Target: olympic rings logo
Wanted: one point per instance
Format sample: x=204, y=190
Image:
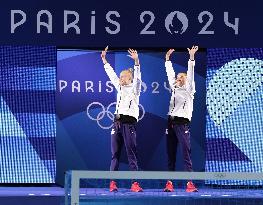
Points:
x=106, y=112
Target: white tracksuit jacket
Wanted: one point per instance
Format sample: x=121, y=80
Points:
x=181, y=103
x=128, y=95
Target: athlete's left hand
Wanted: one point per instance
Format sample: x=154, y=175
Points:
x=133, y=55
x=192, y=52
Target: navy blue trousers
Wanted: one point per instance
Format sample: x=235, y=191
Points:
x=123, y=134
x=178, y=134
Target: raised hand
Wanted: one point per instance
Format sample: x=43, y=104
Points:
x=103, y=55
x=168, y=54
x=134, y=55
x=192, y=52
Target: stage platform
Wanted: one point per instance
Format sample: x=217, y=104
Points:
x=205, y=196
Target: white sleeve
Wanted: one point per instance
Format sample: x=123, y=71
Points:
x=112, y=75
x=137, y=79
x=190, y=76
x=170, y=73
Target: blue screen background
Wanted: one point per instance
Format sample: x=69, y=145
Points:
x=27, y=114
x=234, y=112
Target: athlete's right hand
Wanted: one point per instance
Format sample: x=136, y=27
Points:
x=167, y=56
x=103, y=55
